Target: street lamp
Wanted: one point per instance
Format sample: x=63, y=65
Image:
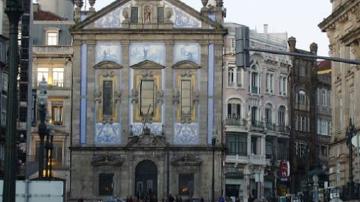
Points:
x=350, y=133
x=213, y=143
x=14, y=11
x=43, y=130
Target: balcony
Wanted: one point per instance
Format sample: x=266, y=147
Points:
x=66, y=51
x=257, y=125
x=249, y=159
x=235, y=121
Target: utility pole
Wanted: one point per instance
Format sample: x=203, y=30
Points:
x=14, y=11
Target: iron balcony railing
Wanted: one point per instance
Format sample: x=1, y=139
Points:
x=235, y=121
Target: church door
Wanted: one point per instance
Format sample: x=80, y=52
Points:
x=146, y=180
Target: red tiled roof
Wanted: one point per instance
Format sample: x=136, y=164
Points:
x=324, y=65
x=41, y=15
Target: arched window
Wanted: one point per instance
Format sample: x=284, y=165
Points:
x=268, y=114
x=230, y=76
x=281, y=116
x=234, y=109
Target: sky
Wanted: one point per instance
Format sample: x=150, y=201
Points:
x=299, y=18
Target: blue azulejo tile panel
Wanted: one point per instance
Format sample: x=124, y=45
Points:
x=187, y=133
x=155, y=128
x=187, y=51
x=108, y=133
x=108, y=51
x=111, y=20
x=182, y=19
x=147, y=51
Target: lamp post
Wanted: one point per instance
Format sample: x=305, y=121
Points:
x=350, y=132
x=43, y=130
x=14, y=11
x=213, y=143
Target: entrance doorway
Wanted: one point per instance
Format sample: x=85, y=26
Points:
x=146, y=180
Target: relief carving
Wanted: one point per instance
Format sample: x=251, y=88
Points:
x=186, y=160
x=176, y=97
x=117, y=96
x=106, y=160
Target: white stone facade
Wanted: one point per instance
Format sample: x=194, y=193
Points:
x=255, y=114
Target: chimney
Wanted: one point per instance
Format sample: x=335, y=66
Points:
x=266, y=28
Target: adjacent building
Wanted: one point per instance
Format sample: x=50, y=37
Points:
x=310, y=115
x=255, y=114
x=147, y=101
x=52, y=54
x=3, y=81
x=342, y=27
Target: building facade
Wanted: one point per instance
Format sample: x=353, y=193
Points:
x=146, y=101
x=52, y=61
x=3, y=83
x=255, y=113
x=342, y=29
x=310, y=113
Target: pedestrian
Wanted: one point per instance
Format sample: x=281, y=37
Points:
x=221, y=199
x=171, y=198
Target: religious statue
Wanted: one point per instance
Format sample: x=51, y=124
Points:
x=147, y=14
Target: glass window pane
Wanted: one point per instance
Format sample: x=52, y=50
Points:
x=107, y=98
x=134, y=15
x=147, y=97
x=185, y=97
x=160, y=14
x=52, y=38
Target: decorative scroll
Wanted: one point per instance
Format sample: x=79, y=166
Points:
x=155, y=128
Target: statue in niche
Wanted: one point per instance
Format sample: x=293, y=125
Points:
x=147, y=14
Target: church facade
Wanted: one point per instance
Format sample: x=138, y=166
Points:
x=147, y=101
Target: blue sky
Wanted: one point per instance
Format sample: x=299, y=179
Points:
x=299, y=18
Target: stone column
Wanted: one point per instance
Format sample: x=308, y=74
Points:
x=246, y=183
x=125, y=91
x=169, y=107
x=76, y=94
x=90, y=128
x=203, y=98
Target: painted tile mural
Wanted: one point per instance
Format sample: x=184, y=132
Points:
x=108, y=133
x=182, y=19
x=111, y=20
x=108, y=51
x=187, y=51
x=187, y=134
x=147, y=51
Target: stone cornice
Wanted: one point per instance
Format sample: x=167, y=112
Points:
x=338, y=14
x=351, y=36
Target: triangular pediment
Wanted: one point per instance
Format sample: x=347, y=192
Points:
x=147, y=64
x=117, y=15
x=186, y=64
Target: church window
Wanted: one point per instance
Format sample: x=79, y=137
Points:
x=230, y=76
x=134, y=15
x=147, y=97
x=185, y=97
x=108, y=98
x=160, y=14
